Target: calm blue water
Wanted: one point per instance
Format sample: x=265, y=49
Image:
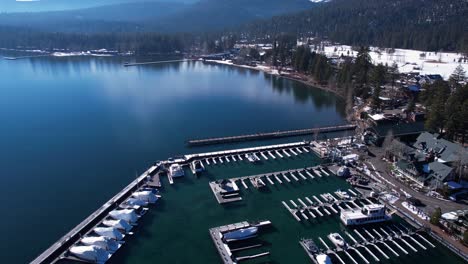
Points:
x=74, y=131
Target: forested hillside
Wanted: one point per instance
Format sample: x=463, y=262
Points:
x=415, y=24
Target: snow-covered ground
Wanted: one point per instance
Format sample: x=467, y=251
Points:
x=423, y=62
x=82, y=53
x=259, y=67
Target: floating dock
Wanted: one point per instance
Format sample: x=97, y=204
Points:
x=269, y=135
x=222, y=247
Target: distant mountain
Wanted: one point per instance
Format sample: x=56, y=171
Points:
x=11, y=6
x=209, y=15
x=205, y=15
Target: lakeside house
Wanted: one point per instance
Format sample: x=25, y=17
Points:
x=430, y=162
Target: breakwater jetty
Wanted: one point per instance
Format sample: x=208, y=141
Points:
x=270, y=135
x=154, y=62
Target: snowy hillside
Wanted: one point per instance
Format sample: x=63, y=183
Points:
x=423, y=62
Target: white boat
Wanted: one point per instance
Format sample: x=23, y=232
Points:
x=146, y=196
x=175, y=170
x=119, y=224
x=105, y=243
x=337, y=239
x=373, y=213
x=109, y=232
x=343, y=195
x=241, y=234
x=251, y=158
x=93, y=254
x=135, y=202
x=128, y=215
x=323, y=259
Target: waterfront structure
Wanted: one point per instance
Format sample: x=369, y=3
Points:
x=373, y=213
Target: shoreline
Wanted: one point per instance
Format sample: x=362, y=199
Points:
x=295, y=76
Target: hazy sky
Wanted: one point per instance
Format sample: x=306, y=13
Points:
x=47, y=5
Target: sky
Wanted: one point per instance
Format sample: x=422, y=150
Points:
x=54, y=5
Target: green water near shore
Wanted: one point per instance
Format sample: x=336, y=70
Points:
x=176, y=229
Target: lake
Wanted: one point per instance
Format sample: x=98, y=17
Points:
x=75, y=131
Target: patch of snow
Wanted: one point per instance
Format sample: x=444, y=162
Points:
x=408, y=61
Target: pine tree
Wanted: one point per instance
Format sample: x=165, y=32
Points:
x=458, y=76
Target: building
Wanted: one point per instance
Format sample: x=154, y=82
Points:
x=429, y=162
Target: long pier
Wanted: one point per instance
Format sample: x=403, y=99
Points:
x=52, y=254
x=269, y=135
x=154, y=62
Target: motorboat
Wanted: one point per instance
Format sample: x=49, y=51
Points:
x=337, y=239
x=343, y=194
x=241, y=234
x=119, y=224
x=128, y=215
x=105, y=243
x=323, y=259
x=109, y=232
x=310, y=245
x=251, y=157
x=146, y=196
x=373, y=213
x=135, y=202
x=175, y=170
x=92, y=254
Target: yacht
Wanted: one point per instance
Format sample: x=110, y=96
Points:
x=343, y=194
x=105, y=243
x=310, y=245
x=128, y=215
x=241, y=234
x=92, y=254
x=146, y=196
x=251, y=157
x=109, y=232
x=119, y=224
x=373, y=213
x=175, y=170
x=337, y=239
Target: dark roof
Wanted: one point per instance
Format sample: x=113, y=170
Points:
x=445, y=150
x=399, y=129
x=439, y=170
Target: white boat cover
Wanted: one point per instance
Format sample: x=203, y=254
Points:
x=323, y=259
x=451, y=216
x=128, y=215
x=134, y=201
x=90, y=253
x=119, y=224
x=146, y=196
x=109, y=232
x=103, y=242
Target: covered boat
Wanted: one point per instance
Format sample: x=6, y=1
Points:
x=135, y=202
x=90, y=253
x=110, y=232
x=119, y=224
x=128, y=215
x=105, y=243
x=323, y=259
x=241, y=234
x=146, y=196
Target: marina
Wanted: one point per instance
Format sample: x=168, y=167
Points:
x=365, y=245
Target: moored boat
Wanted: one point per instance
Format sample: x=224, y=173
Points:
x=337, y=239
x=105, y=243
x=175, y=170
x=373, y=213
x=241, y=234
x=93, y=254
x=109, y=232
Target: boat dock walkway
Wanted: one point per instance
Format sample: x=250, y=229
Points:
x=306, y=208
x=269, y=135
x=222, y=247
x=394, y=239
x=260, y=180
x=53, y=253
x=154, y=62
